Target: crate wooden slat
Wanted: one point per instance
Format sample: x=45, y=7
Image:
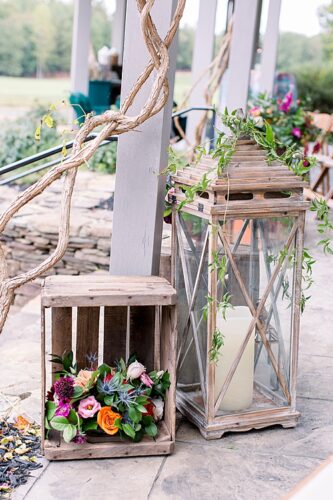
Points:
x=106, y=290
x=139, y=316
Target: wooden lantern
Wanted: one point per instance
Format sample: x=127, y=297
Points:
x=237, y=266
x=113, y=316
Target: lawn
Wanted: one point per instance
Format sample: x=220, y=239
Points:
x=24, y=92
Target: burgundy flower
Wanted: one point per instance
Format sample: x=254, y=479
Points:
x=80, y=438
x=306, y=162
x=296, y=132
x=316, y=147
x=63, y=409
x=50, y=394
x=284, y=105
x=64, y=388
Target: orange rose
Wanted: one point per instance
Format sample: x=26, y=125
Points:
x=106, y=418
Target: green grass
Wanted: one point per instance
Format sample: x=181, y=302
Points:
x=25, y=92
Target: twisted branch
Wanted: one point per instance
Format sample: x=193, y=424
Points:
x=114, y=123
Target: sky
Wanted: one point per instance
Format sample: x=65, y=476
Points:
x=299, y=16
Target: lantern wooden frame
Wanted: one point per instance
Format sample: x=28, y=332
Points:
x=249, y=189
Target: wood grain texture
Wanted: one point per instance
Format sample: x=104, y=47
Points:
x=61, y=332
x=115, y=326
x=86, y=335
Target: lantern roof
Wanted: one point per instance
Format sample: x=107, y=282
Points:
x=249, y=181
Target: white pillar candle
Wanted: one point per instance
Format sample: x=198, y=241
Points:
x=234, y=329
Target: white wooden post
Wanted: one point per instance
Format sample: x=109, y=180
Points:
x=202, y=57
x=80, y=46
x=118, y=27
x=235, y=85
x=270, y=45
x=141, y=155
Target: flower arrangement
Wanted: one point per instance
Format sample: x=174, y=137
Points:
x=123, y=400
x=290, y=121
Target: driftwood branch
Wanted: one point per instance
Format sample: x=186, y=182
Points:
x=114, y=123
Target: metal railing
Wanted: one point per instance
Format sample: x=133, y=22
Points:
x=30, y=160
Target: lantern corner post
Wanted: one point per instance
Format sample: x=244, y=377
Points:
x=211, y=317
x=297, y=297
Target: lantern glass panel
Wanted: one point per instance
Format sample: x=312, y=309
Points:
x=259, y=273
x=192, y=285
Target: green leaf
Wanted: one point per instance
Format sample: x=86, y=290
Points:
x=109, y=400
x=134, y=414
x=78, y=391
x=269, y=134
x=141, y=408
x=69, y=433
x=59, y=423
x=104, y=369
x=147, y=420
x=73, y=417
x=151, y=430
x=89, y=425
x=128, y=429
x=50, y=408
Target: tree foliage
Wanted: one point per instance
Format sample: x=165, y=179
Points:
x=36, y=35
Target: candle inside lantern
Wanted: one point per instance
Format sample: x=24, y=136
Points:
x=234, y=329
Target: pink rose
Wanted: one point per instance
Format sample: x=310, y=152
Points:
x=88, y=407
x=135, y=370
x=145, y=379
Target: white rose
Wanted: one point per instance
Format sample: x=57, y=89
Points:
x=160, y=374
x=135, y=370
x=158, y=409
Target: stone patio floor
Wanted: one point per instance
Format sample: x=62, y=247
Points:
x=253, y=465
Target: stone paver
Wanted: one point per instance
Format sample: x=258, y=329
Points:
x=248, y=466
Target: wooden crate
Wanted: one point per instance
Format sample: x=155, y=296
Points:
x=114, y=316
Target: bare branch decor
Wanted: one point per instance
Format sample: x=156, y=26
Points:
x=114, y=123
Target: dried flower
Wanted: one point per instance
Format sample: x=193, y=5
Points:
x=64, y=388
x=135, y=370
x=88, y=407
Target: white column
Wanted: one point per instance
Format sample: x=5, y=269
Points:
x=202, y=57
x=235, y=85
x=141, y=155
x=80, y=46
x=270, y=45
x=118, y=27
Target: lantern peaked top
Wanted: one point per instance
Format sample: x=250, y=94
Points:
x=249, y=184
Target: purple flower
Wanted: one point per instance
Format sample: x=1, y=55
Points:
x=63, y=409
x=80, y=438
x=145, y=379
x=64, y=388
x=296, y=132
x=286, y=102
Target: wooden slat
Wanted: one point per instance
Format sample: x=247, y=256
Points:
x=115, y=324
x=162, y=445
x=61, y=340
x=142, y=330
x=168, y=362
x=87, y=334
x=106, y=290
